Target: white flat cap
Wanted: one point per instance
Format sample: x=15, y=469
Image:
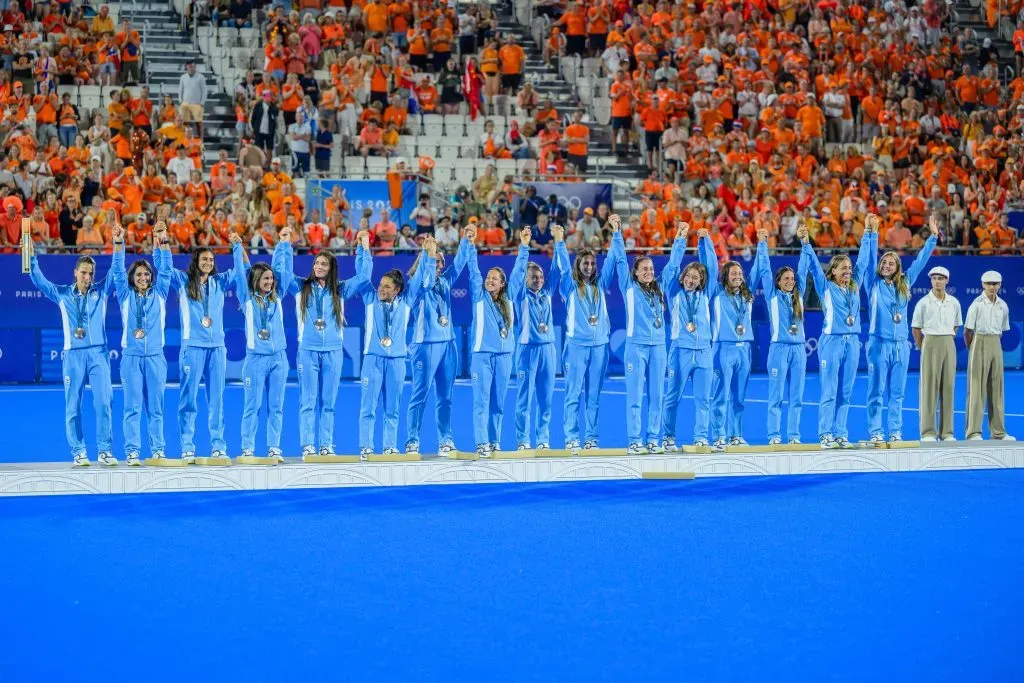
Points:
x=939, y=270
x=991, y=276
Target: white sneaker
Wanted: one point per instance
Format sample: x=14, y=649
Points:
x=828, y=443
x=391, y=451
x=669, y=445
x=133, y=460
x=247, y=453
x=523, y=447
x=636, y=449
x=895, y=436
x=589, y=445
x=494, y=447
x=878, y=438
x=654, y=447
x=308, y=450
x=543, y=446
x=158, y=455
x=843, y=442
x=927, y=439
x=738, y=441
x=219, y=455
x=719, y=445
x=775, y=441
x=795, y=441
x=188, y=457
x=363, y=452
x=412, y=447
x=948, y=438
x=573, y=446
x=976, y=437
x=327, y=450
x=82, y=460
x=445, y=449
x=107, y=459
x=1007, y=437
x=484, y=450
x=276, y=454
x=700, y=443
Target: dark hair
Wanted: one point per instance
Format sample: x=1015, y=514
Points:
x=254, y=278
x=577, y=274
x=501, y=301
x=723, y=277
x=136, y=264
x=798, y=308
x=85, y=261
x=330, y=282
x=395, y=275
x=702, y=272
x=654, y=287
x=194, y=274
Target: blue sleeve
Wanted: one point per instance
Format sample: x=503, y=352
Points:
x=178, y=278
x=917, y=267
x=670, y=273
x=553, y=279
x=871, y=275
x=706, y=254
x=615, y=262
x=863, y=261
x=763, y=265
x=452, y=272
x=476, y=281
x=362, y=279
x=164, y=270
x=801, y=272
x=282, y=265
x=49, y=290
x=565, y=281
x=240, y=276
x=423, y=278
x=117, y=272
x=517, y=280
x=817, y=274
x=755, y=274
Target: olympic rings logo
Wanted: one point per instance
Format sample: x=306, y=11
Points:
x=460, y=293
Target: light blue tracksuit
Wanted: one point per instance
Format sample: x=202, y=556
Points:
x=85, y=358
x=203, y=355
x=839, y=346
x=787, y=355
x=645, y=356
x=434, y=352
x=266, y=361
x=491, y=363
x=385, y=352
x=690, y=354
x=732, y=356
x=889, y=341
x=586, y=349
x=320, y=356
x=536, y=360
x=143, y=364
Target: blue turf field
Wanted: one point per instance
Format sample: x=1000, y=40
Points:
x=871, y=577
x=39, y=411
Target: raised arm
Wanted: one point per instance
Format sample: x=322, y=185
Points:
x=238, y=271
x=364, y=268
x=553, y=279
x=49, y=290
x=282, y=263
x=764, y=265
x=452, y=272
x=708, y=257
x=615, y=261
x=802, y=267
x=670, y=273
x=162, y=262
x=517, y=279
x=476, y=281
x=817, y=273
x=565, y=281
x=424, y=277
x=867, y=254
x=117, y=271
x=921, y=260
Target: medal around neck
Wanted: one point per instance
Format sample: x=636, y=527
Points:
x=264, y=334
x=207, y=321
x=320, y=324
x=139, y=333
x=740, y=329
x=386, y=342
x=691, y=327
x=543, y=328
x=794, y=328
x=79, y=333
x=849, y=320
x=442, y=320
x=897, y=317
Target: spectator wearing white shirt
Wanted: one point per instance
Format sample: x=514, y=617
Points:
x=988, y=317
x=192, y=96
x=181, y=166
x=446, y=235
x=937, y=318
x=299, y=135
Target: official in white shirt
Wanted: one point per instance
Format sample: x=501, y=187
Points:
x=987, y=318
x=935, y=323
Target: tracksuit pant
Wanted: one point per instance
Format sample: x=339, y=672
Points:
x=838, y=356
x=319, y=374
x=90, y=364
x=198, y=364
x=645, y=374
x=535, y=370
x=585, y=366
x=729, y=389
x=682, y=365
x=490, y=383
x=263, y=372
x=887, y=371
x=436, y=362
x=144, y=379
x=787, y=369
x=380, y=375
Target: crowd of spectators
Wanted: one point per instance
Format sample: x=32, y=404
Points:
x=749, y=115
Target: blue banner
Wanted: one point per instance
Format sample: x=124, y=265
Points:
x=30, y=338
x=577, y=195
x=363, y=194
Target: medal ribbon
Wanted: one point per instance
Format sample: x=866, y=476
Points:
x=652, y=303
x=896, y=308
x=740, y=306
x=140, y=311
x=544, y=303
x=495, y=313
x=81, y=303
x=591, y=305
x=266, y=312
x=849, y=302
x=206, y=298
x=388, y=309
x=691, y=299
x=319, y=298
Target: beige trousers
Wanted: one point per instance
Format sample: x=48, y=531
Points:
x=985, y=386
x=938, y=370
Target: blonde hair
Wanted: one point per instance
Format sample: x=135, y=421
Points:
x=835, y=263
x=899, y=278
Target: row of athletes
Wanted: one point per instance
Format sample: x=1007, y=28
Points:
x=708, y=342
